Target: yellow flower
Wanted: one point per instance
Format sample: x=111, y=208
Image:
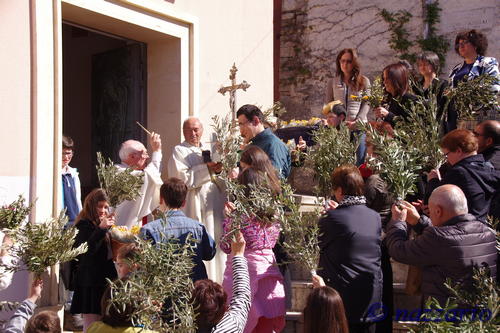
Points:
x=354, y=96
x=135, y=229
x=366, y=98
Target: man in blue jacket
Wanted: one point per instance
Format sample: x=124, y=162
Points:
x=250, y=121
x=177, y=226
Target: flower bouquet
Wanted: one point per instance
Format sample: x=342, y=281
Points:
x=296, y=122
x=374, y=96
x=12, y=215
x=121, y=236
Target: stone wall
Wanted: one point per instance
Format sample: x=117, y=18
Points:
x=313, y=31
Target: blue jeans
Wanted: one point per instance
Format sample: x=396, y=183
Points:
x=361, y=151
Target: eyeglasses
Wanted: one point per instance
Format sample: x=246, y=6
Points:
x=343, y=61
x=446, y=154
x=67, y=153
x=463, y=43
x=242, y=124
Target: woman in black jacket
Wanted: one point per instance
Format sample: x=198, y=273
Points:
x=350, y=256
x=428, y=66
x=396, y=84
x=96, y=265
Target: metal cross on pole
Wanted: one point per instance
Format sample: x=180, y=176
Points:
x=232, y=90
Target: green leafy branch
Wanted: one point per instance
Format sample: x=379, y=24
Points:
x=397, y=163
x=120, y=185
x=300, y=230
x=482, y=305
x=333, y=148
x=228, y=143
x=15, y=213
x=159, y=291
x=472, y=96
x=421, y=132
x=41, y=245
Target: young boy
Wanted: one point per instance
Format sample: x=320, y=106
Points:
x=71, y=193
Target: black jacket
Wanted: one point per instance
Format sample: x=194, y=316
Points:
x=447, y=115
x=350, y=258
x=448, y=251
x=96, y=264
x=398, y=108
x=492, y=155
x=477, y=179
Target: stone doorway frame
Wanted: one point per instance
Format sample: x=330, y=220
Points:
x=173, y=81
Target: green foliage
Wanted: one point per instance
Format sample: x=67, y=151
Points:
x=483, y=299
x=41, y=245
x=12, y=215
x=400, y=41
x=399, y=34
x=472, y=96
x=421, y=132
x=300, y=230
x=228, y=143
x=397, y=163
x=434, y=42
x=255, y=201
x=162, y=277
x=333, y=148
x=120, y=185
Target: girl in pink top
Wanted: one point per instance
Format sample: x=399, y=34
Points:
x=267, y=312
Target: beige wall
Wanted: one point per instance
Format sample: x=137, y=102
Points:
x=230, y=31
x=14, y=98
x=191, y=47
x=15, y=117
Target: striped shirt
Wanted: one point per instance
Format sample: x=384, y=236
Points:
x=235, y=318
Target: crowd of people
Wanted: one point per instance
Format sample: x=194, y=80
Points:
x=238, y=286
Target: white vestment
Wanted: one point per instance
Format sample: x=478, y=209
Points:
x=130, y=213
x=204, y=201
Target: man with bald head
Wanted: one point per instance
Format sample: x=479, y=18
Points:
x=450, y=243
x=134, y=155
x=191, y=162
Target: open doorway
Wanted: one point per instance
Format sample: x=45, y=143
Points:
x=104, y=94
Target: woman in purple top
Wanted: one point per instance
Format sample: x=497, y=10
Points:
x=267, y=312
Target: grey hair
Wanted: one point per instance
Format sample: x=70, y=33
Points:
x=451, y=198
x=128, y=147
x=191, y=118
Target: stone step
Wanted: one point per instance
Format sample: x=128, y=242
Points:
x=293, y=322
x=300, y=291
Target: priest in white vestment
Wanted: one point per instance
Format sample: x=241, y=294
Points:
x=204, y=201
x=134, y=155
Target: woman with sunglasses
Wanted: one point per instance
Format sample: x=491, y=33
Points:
x=348, y=81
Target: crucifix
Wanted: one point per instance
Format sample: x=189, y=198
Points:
x=232, y=90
